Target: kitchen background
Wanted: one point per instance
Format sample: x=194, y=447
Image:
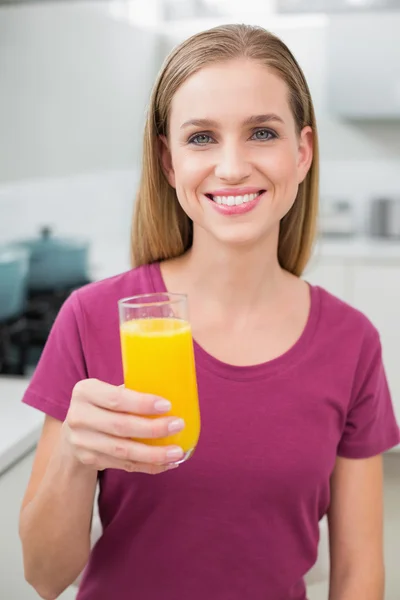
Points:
x=74, y=81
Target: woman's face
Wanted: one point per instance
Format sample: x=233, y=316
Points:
x=232, y=153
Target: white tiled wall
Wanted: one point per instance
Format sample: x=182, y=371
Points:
x=96, y=205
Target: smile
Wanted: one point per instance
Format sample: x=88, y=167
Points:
x=234, y=200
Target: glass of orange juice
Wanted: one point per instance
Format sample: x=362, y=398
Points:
x=158, y=358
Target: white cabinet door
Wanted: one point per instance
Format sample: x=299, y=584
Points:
x=329, y=274
x=364, y=39
x=377, y=295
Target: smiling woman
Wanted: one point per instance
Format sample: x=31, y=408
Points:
x=294, y=403
x=249, y=89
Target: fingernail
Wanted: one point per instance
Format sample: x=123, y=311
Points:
x=175, y=453
x=176, y=425
x=162, y=405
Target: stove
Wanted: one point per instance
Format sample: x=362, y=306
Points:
x=22, y=339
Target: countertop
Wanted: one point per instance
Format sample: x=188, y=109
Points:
x=359, y=248
x=20, y=425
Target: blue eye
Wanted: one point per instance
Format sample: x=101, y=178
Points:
x=264, y=135
x=201, y=139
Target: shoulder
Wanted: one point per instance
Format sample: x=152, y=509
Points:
x=101, y=294
x=135, y=281
x=343, y=322
x=95, y=306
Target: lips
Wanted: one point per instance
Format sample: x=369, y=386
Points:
x=224, y=206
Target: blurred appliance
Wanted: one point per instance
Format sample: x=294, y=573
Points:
x=336, y=218
x=385, y=218
x=36, y=277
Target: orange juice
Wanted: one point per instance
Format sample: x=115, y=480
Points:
x=158, y=358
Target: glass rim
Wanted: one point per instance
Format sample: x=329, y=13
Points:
x=132, y=301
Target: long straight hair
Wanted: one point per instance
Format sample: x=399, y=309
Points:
x=160, y=228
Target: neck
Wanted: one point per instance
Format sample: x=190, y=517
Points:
x=235, y=278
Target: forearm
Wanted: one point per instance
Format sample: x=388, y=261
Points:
x=365, y=584
x=55, y=525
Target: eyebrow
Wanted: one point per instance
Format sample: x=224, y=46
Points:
x=253, y=120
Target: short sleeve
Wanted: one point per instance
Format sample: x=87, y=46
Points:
x=371, y=426
x=61, y=365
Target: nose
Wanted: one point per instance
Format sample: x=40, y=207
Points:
x=232, y=164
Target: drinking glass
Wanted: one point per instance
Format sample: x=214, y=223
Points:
x=158, y=358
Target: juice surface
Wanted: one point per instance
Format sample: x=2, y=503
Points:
x=158, y=358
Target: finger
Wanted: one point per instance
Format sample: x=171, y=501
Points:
x=124, y=425
x=100, y=462
x=124, y=450
x=120, y=399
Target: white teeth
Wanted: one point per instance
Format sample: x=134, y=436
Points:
x=234, y=200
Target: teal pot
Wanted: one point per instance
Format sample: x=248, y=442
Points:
x=14, y=269
x=56, y=263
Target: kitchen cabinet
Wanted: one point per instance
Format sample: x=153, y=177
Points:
x=376, y=292
x=363, y=54
x=20, y=424
x=12, y=581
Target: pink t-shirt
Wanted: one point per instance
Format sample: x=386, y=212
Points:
x=240, y=518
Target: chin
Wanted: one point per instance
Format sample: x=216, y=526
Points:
x=246, y=238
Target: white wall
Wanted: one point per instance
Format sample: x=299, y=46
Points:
x=74, y=85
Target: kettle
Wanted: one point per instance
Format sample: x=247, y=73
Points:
x=385, y=218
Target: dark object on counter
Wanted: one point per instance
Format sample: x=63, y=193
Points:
x=22, y=341
x=56, y=263
x=14, y=265
x=385, y=218
x=336, y=218
x=36, y=277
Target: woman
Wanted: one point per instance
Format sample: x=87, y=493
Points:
x=295, y=406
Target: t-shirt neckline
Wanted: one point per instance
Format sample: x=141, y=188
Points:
x=295, y=354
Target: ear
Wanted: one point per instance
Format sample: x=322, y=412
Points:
x=305, y=152
x=166, y=160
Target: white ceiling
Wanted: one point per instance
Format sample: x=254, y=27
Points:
x=335, y=6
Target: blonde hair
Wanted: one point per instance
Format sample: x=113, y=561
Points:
x=161, y=229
